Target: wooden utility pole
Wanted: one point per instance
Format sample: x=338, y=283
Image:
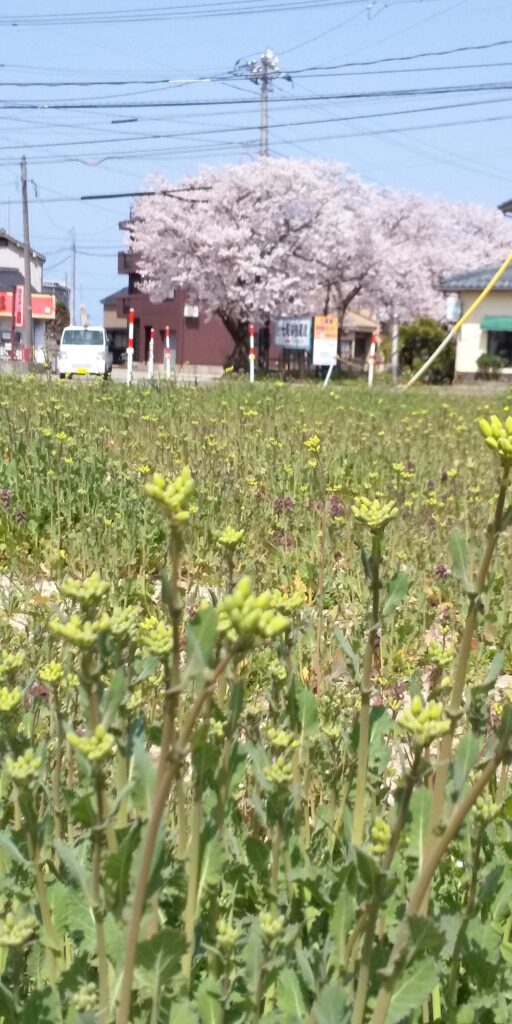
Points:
x=72, y=311
x=28, y=333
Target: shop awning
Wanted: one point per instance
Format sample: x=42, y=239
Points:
x=496, y=323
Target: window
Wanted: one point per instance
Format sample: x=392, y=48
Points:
x=82, y=336
x=499, y=343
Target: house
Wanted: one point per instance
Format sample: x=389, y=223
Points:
x=201, y=341
x=195, y=339
x=11, y=258
x=489, y=328
x=12, y=306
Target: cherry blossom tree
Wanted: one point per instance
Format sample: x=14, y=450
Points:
x=283, y=237
x=242, y=240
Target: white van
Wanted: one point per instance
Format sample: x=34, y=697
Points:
x=85, y=350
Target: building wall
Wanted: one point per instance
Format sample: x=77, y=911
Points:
x=12, y=258
x=199, y=342
x=112, y=321
x=472, y=340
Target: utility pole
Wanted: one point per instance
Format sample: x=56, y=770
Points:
x=262, y=71
x=72, y=303
x=28, y=334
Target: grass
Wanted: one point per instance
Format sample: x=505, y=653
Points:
x=254, y=729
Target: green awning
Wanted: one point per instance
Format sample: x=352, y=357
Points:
x=496, y=323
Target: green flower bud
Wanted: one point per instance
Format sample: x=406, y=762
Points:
x=375, y=515
x=51, y=674
x=498, y=437
x=87, y=593
x=380, y=837
x=95, y=748
x=10, y=663
x=86, y=998
x=271, y=925
x=9, y=699
x=174, y=495
x=17, y=932
x=25, y=768
x=230, y=538
x=80, y=633
x=424, y=723
x=227, y=936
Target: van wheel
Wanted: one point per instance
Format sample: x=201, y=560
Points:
x=62, y=376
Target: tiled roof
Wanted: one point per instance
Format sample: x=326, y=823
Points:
x=109, y=299
x=19, y=245
x=476, y=280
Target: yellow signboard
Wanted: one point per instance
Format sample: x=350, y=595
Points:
x=325, y=340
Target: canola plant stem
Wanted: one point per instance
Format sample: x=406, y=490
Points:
x=161, y=797
x=430, y=864
x=364, y=716
x=373, y=909
x=446, y=744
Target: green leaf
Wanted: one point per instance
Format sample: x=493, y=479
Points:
x=7, y=1005
x=253, y=956
x=490, y=885
x=412, y=988
x=495, y=670
x=466, y=756
x=460, y=561
x=73, y=865
x=10, y=847
x=331, y=1006
x=257, y=854
x=42, y=1007
x=182, y=1013
x=201, y=643
x=143, y=776
x=419, y=814
x=117, y=866
x=212, y=864
x=368, y=871
x=396, y=592
x=158, y=961
x=308, y=712
x=425, y=936
x=341, y=921
x=113, y=696
x=348, y=651
x=208, y=1001
x=289, y=997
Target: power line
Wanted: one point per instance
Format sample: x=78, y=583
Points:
x=229, y=129
x=215, y=9
x=441, y=90
x=325, y=71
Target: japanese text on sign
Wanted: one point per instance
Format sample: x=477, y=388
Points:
x=293, y=332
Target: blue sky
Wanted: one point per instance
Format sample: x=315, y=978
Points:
x=77, y=152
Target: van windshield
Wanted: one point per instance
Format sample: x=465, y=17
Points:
x=84, y=337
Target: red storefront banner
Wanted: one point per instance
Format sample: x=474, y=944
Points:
x=43, y=306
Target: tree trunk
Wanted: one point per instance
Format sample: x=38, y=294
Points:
x=239, y=331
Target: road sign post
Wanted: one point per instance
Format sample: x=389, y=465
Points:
x=129, y=351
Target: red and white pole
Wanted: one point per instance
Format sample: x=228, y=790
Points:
x=151, y=359
x=252, y=353
x=372, y=355
x=129, y=351
x=168, y=352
